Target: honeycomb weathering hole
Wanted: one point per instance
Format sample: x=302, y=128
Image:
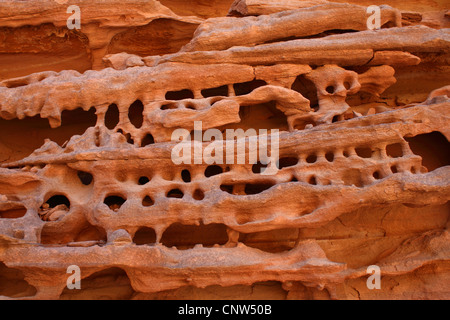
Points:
x=286, y=162
x=179, y=95
x=214, y=92
x=187, y=236
x=114, y=202
x=147, y=140
x=186, y=176
x=112, y=116
x=135, y=114
x=85, y=177
x=213, y=170
x=198, y=195
x=148, y=201
x=433, y=147
x=144, y=236
x=364, y=152
x=15, y=213
x=247, y=87
x=143, y=180
x=58, y=200
x=394, y=150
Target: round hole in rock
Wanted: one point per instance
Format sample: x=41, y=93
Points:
x=112, y=116
x=148, y=202
x=85, y=177
x=256, y=188
x=135, y=114
x=114, y=202
x=186, y=176
x=394, y=169
x=329, y=156
x=247, y=87
x=144, y=235
x=345, y=154
x=58, y=200
x=214, y=92
x=143, y=180
x=347, y=85
x=311, y=158
x=213, y=170
x=198, y=195
x=175, y=193
x=330, y=89
x=148, y=140
x=312, y=180
x=377, y=175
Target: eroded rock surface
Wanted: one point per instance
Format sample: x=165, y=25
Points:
x=88, y=178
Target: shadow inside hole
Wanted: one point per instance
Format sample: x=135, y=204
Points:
x=145, y=236
x=394, y=150
x=198, y=195
x=286, y=162
x=135, y=114
x=186, y=176
x=312, y=180
x=147, y=140
x=58, y=200
x=148, y=202
x=214, y=92
x=213, y=170
x=175, y=193
x=143, y=180
x=114, y=202
x=112, y=116
x=256, y=188
x=187, y=236
x=85, y=177
x=311, y=158
x=329, y=156
x=377, y=175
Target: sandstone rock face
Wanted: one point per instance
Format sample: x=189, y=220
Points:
x=355, y=122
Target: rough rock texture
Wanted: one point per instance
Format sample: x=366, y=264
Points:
x=87, y=177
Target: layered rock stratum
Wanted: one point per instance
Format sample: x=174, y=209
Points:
x=87, y=176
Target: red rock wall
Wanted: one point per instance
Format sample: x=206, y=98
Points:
x=88, y=177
